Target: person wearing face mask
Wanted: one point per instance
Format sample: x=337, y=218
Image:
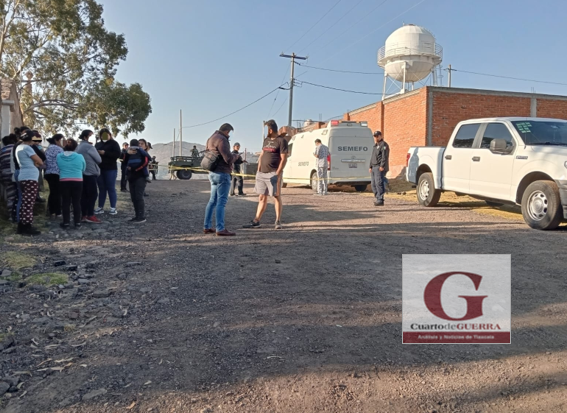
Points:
x=109, y=152
x=29, y=163
x=379, y=166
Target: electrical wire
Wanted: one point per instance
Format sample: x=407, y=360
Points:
x=280, y=108
x=340, y=71
x=313, y=26
x=509, y=77
x=332, y=25
x=355, y=24
x=340, y=90
x=278, y=92
x=368, y=34
x=232, y=113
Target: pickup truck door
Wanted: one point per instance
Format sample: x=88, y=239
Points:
x=457, y=159
x=491, y=173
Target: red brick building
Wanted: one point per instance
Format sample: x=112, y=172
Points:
x=427, y=116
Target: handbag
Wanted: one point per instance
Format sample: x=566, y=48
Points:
x=210, y=161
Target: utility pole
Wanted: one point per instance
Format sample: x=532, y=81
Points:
x=173, y=150
x=449, y=70
x=180, y=133
x=293, y=56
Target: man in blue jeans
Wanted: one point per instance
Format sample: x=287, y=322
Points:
x=220, y=180
x=379, y=166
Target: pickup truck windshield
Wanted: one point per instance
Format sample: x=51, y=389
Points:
x=542, y=132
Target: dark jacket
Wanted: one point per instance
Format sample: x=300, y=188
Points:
x=111, y=154
x=218, y=144
x=381, y=156
x=123, y=154
x=39, y=152
x=238, y=162
x=136, y=163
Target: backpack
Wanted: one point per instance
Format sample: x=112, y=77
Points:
x=210, y=161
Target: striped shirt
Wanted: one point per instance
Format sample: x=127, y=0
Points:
x=321, y=152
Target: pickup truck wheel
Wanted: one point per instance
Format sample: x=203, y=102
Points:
x=284, y=184
x=427, y=195
x=360, y=188
x=541, y=205
x=184, y=174
x=493, y=204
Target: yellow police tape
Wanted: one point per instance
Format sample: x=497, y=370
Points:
x=181, y=168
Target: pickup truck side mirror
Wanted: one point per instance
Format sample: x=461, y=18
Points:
x=499, y=145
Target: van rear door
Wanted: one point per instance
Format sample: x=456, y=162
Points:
x=351, y=148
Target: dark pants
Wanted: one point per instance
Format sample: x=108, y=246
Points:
x=107, y=185
x=90, y=193
x=71, y=192
x=137, y=188
x=54, y=200
x=377, y=179
x=123, y=179
x=237, y=183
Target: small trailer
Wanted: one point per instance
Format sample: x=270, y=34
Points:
x=185, y=166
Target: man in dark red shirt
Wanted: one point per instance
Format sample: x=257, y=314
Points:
x=269, y=176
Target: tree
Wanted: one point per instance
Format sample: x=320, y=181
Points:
x=65, y=60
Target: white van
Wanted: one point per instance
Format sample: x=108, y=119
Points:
x=350, y=146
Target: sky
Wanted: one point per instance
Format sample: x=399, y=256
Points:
x=210, y=58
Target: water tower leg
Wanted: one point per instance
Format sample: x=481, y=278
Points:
x=384, y=86
x=404, y=81
x=434, y=73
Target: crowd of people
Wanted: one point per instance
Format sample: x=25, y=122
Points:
x=79, y=173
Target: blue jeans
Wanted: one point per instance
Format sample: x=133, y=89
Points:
x=377, y=179
x=220, y=185
x=107, y=184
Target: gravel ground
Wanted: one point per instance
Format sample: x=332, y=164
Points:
x=161, y=318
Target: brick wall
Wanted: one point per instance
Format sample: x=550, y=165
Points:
x=451, y=108
x=404, y=119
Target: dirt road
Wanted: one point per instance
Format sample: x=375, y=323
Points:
x=160, y=318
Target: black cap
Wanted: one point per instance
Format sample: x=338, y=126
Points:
x=271, y=124
x=377, y=133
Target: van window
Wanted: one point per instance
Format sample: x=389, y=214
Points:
x=289, y=148
x=496, y=130
x=465, y=136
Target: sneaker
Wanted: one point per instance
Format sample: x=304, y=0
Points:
x=99, y=211
x=94, y=220
x=83, y=219
x=113, y=211
x=139, y=220
x=78, y=225
x=124, y=190
x=208, y=231
x=252, y=224
x=64, y=226
x=242, y=194
x=378, y=203
x=278, y=225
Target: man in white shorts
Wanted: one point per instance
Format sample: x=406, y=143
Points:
x=269, y=176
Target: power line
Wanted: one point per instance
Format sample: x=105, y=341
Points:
x=368, y=34
x=316, y=23
x=280, y=108
x=510, y=77
x=341, y=71
x=232, y=113
x=356, y=24
x=332, y=25
x=340, y=90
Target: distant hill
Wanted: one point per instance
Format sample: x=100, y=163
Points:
x=163, y=153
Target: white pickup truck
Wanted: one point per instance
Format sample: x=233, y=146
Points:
x=521, y=161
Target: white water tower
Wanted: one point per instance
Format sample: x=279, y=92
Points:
x=410, y=55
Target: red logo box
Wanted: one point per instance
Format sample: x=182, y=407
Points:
x=456, y=299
